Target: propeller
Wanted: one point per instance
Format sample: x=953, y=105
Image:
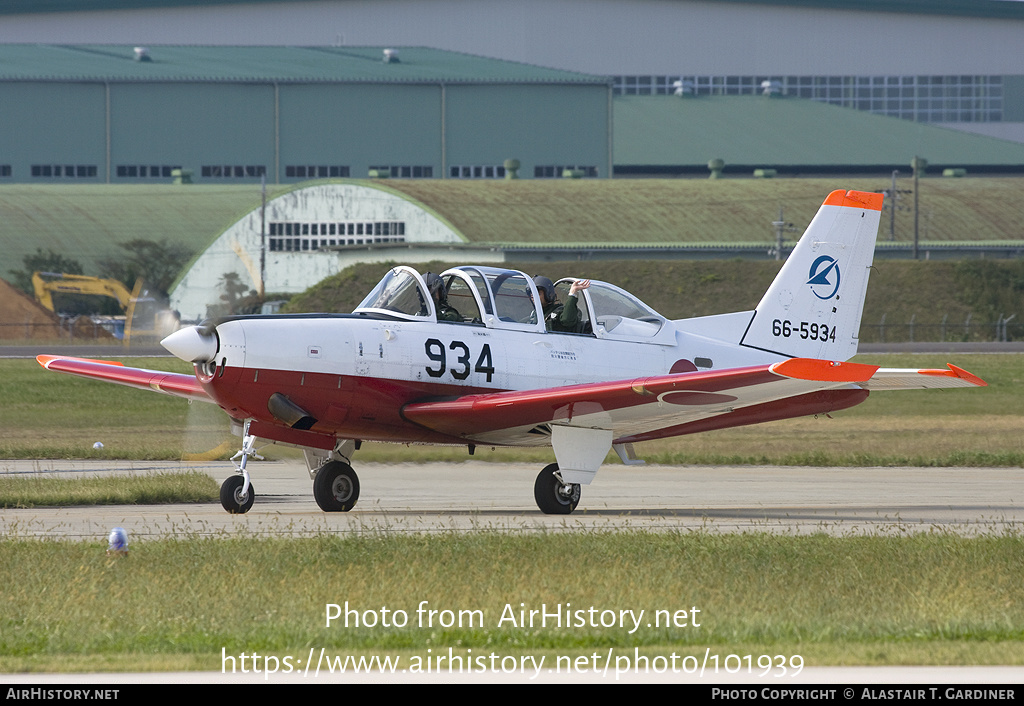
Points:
x=194, y=344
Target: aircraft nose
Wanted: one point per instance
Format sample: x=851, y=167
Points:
x=192, y=345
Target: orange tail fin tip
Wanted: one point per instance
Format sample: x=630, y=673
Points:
x=856, y=199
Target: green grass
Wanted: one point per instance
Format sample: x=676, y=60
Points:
x=36, y=491
x=51, y=415
x=931, y=598
x=48, y=415
x=645, y=211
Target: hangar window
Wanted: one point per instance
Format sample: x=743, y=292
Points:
x=228, y=171
x=559, y=171
x=921, y=98
x=404, y=171
x=145, y=171
x=317, y=234
x=5, y=170
x=489, y=171
x=317, y=171
x=63, y=171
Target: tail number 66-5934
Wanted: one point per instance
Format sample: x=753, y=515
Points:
x=805, y=330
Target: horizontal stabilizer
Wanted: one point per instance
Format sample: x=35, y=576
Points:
x=911, y=379
x=872, y=377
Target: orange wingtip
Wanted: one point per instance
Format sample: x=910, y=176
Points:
x=45, y=360
x=824, y=370
x=855, y=199
x=955, y=372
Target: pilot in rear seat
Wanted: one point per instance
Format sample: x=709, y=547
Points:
x=558, y=317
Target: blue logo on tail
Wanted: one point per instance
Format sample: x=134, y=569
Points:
x=821, y=277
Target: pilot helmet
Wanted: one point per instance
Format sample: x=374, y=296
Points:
x=545, y=285
x=435, y=285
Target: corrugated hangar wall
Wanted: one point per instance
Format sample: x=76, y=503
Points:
x=234, y=132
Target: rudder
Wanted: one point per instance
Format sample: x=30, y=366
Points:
x=814, y=306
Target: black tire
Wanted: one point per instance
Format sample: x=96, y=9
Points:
x=552, y=495
x=336, y=487
x=230, y=496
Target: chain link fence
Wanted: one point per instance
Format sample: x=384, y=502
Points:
x=886, y=330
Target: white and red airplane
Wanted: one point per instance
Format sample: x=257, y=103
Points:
x=392, y=371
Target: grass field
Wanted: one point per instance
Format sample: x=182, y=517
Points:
x=645, y=211
x=48, y=415
x=922, y=599
x=57, y=491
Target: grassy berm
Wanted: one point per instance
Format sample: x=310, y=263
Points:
x=177, y=603
x=906, y=300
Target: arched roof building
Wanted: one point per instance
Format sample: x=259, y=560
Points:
x=308, y=233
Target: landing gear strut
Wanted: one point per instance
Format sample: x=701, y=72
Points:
x=553, y=495
x=336, y=487
x=237, y=493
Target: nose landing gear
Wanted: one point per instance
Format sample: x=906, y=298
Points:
x=236, y=493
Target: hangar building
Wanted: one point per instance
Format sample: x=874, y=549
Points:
x=951, y=62
x=230, y=115
x=81, y=114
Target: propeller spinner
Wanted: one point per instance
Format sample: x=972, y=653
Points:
x=192, y=344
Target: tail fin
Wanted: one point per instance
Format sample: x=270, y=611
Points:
x=813, y=308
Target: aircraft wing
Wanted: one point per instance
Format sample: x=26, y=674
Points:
x=175, y=384
x=667, y=405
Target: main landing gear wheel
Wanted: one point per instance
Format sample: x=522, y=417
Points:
x=553, y=496
x=336, y=487
x=231, y=497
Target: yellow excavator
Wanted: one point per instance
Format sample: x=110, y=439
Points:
x=144, y=316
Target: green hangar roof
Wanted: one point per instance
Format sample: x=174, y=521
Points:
x=966, y=8
x=671, y=135
x=45, y=62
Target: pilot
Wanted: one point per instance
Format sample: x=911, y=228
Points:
x=558, y=316
x=445, y=311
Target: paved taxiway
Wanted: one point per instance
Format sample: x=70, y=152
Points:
x=480, y=496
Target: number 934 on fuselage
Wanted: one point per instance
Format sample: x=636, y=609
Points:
x=488, y=356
